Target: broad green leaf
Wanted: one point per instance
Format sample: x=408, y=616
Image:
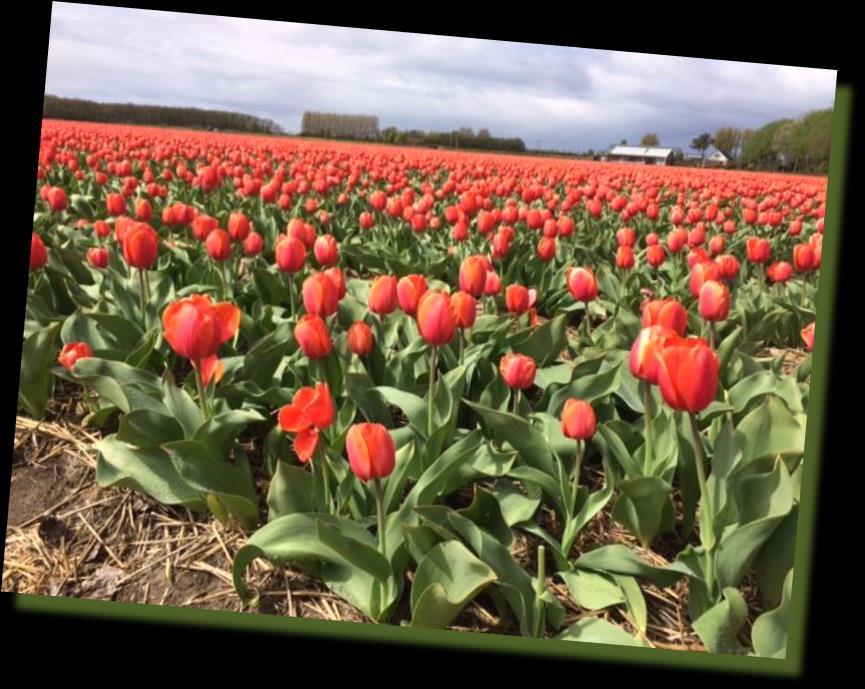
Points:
x=719, y=626
x=448, y=577
x=598, y=631
x=592, y=590
x=35, y=382
x=769, y=632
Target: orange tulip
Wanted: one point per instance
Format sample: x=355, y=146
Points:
x=465, y=309
x=38, y=252
x=320, y=295
x=643, y=361
x=140, y=246
x=218, y=245
x=578, y=420
x=290, y=254
x=311, y=410
x=714, y=301
x=517, y=299
x=383, y=298
x=473, y=276
x=808, y=336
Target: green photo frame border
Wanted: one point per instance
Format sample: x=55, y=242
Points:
x=790, y=666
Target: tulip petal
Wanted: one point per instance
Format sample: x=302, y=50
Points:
x=293, y=419
x=305, y=444
x=228, y=316
x=211, y=367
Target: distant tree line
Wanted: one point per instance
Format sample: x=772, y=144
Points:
x=482, y=140
x=800, y=145
x=55, y=107
x=335, y=126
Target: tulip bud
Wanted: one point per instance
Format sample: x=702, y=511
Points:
x=320, y=295
x=578, y=420
x=643, y=361
x=97, y=256
x=383, y=298
x=409, y=290
x=239, y=226
x=714, y=301
x=253, y=245
x=218, y=245
x=290, y=254
x=688, y=374
x=326, y=250
x=436, y=319
x=465, y=309
x=518, y=371
x=473, y=276
x=140, y=246
x=655, y=255
x=808, y=336
x=371, y=451
x=360, y=338
x=582, y=284
x=313, y=337
x=72, y=352
x=38, y=252
x=757, y=249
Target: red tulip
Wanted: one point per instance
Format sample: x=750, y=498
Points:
x=643, y=361
x=72, y=352
x=547, y=249
x=239, y=226
x=714, y=301
x=320, y=296
x=97, y=256
x=290, y=254
x=808, y=336
x=578, y=419
x=465, y=309
x=195, y=327
x=780, y=271
x=517, y=299
x=253, y=245
x=338, y=279
x=203, y=225
x=655, y=255
x=757, y=249
x=728, y=266
x=218, y=245
x=140, y=246
x=493, y=284
x=57, y=199
x=582, y=284
x=371, y=451
x=518, y=370
x=803, y=258
x=326, y=250
x=115, y=204
x=409, y=290
x=360, y=338
x=311, y=410
x=436, y=319
x=473, y=276
x=313, y=337
x=668, y=313
x=688, y=374
x=38, y=252
x=383, y=298
x=625, y=259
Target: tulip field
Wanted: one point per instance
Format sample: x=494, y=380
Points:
x=441, y=384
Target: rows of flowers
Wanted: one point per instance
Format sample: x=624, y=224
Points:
x=431, y=354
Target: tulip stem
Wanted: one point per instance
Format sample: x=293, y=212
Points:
x=540, y=588
x=142, y=284
x=379, y=506
x=462, y=346
x=199, y=383
x=432, y=383
x=517, y=394
x=648, y=458
x=578, y=465
x=705, y=504
x=712, y=336
x=290, y=280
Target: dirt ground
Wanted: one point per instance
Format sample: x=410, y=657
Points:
x=66, y=536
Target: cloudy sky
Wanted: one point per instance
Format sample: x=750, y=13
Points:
x=550, y=96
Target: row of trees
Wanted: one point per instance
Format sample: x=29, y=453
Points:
x=55, y=107
x=465, y=137
x=335, y=126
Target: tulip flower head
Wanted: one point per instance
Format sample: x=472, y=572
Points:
x=313, y=337
x=72, y=352
x=371, y=451
x=360, y=338
x=688, y=372
x=578, y=419
x=518, y=371
x=668, y=313
x=311, y=411
x=808, y=336
x=436, y=319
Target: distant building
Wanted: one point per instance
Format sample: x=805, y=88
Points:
x=716, y=159
x=644, y=155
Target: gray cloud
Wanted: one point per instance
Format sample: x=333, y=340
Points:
x=557, y=97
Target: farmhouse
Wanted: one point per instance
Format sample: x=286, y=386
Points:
x=716, y=159
x=646, y=155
